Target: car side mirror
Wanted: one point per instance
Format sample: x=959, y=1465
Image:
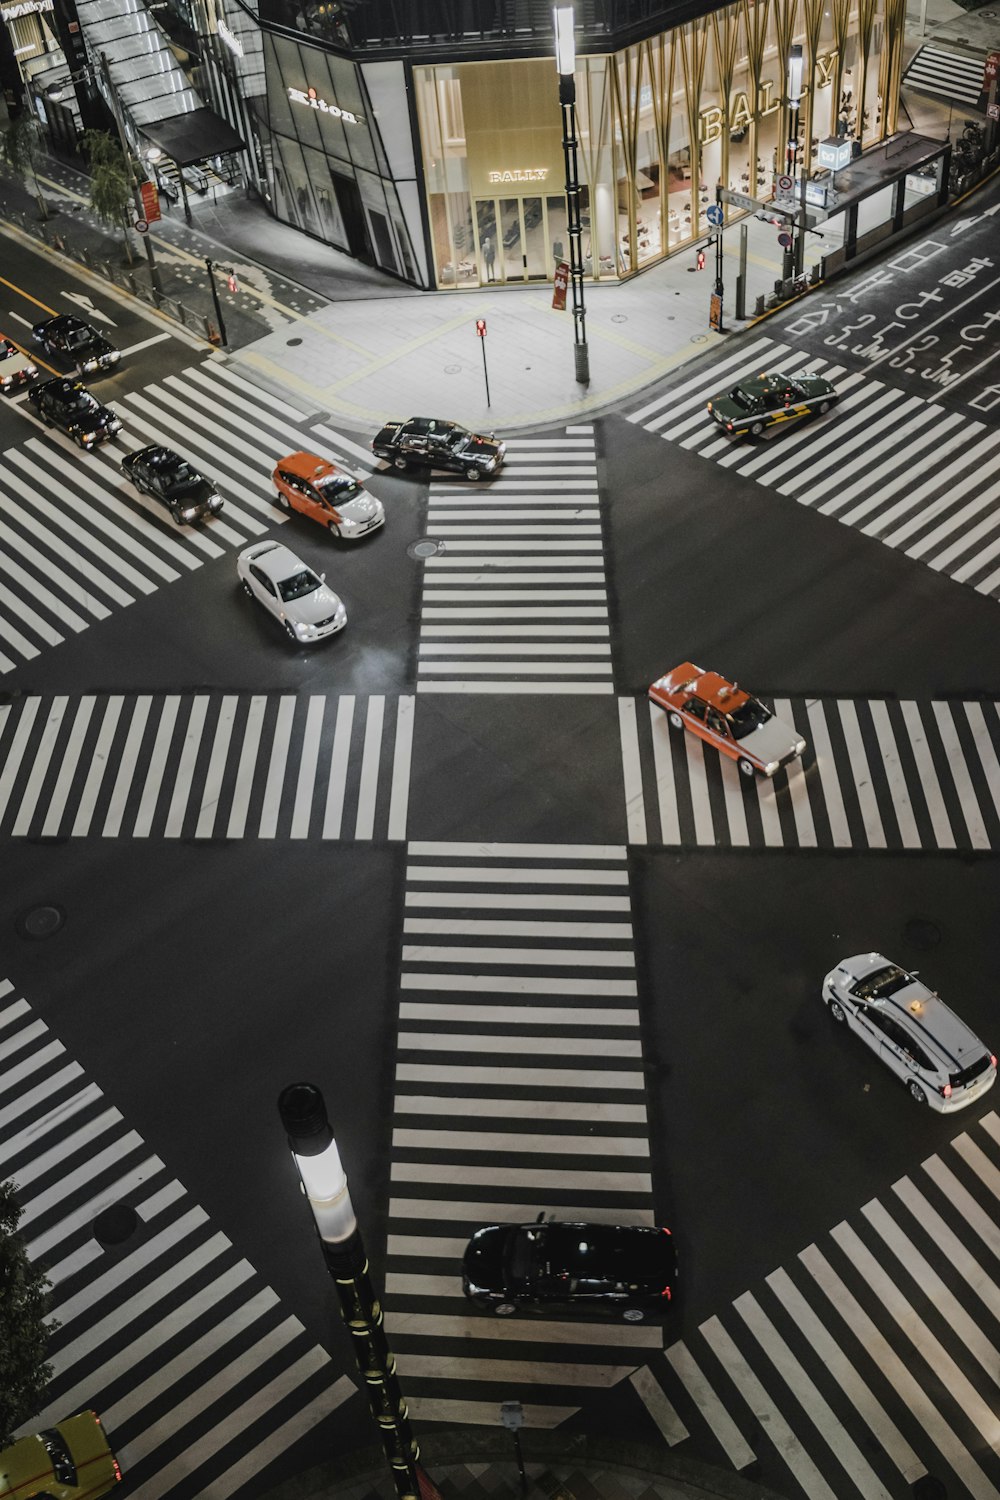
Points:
x=541, y=1217
x=322, y=578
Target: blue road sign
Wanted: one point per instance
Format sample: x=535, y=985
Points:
x=713, y=213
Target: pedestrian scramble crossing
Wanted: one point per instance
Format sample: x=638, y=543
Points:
x=877, y=774
x=515, y=600
x=77, y=540
x=201, y=1377
x=870, y=1361
x=519, y=1088
x=205, y=766
x=915, y=475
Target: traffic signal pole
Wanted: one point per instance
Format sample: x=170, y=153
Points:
x=210, y=267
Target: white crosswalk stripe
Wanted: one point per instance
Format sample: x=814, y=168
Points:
x=519, y=1088
x=77, y=540
x=858, y=1367
x=162, y=1326
x=206, y=766
x=877, y=774
x=515, y=600
x=950, y=520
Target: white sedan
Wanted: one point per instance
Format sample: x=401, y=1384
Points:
x=291, y=591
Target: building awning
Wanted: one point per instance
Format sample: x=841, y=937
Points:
x=193, y=136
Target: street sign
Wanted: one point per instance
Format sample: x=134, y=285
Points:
x=512, y=1415
x=785, y=240
x=714, y=214
x=740, y=200
x=715, y=312
x=150, y=202
x=560, y=281
x=140, y=226
x=993, y=111
x=785, y=183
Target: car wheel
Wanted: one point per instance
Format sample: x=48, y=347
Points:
x=177, y=516
x=677, y=721
x=824, y=406
x=916, y=1092
x=838, y=1013
x=246, y=588
x=473, y=473
x=633, y=1315
x=756, y=429
x=333, y=528
x=400, y=463
x=747, y=768
x=504, y=1309
x=290, y=632
x=283, y=501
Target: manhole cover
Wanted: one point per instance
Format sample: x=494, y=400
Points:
x=115, y=1225
x=922, y=932
x=292, y=343
x=453, y=369
x=619, y=318
x=41, y=921
x=699, y=338
x=426, y=548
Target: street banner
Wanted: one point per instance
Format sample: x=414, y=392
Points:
x=150, y=202
x=560, y=282
x=715, y=312
x=991, y=68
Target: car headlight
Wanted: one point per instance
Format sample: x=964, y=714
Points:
x=189, y=514
x=6, y=380
x=491, y=463
x=800, y=746
x=304, y=632
x=771, y=767
x=341, y=613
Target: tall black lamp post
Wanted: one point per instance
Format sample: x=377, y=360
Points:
x=794, y=107
x=563, y=19
x=303, y=1114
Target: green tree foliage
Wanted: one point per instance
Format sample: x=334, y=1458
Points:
x=19, y=151
x=24, y=1301
x=110, y=184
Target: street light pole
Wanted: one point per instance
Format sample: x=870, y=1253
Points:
x=563, y=20
x=795, y=105
x=116, y=110
x=210, y=267
x=324, y=1182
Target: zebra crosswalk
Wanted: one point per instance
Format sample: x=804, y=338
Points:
x=205, y=766
x=515, y=600
x=872, y=1359
x=519, y=1087
x=77, y=541
x=877, y=774
x=876, y=462
x=200, y=1375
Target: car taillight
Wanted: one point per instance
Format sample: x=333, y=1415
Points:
x=666, y=1293
x=118, y=1472
x=664, y=1231
x=993, y=1060
x=729, y=426
x=946, y=1091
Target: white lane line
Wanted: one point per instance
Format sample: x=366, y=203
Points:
x=30, y=617
x=67, y=1147
x=72, y=557
x=15, y=754
x=216, y=767
x=702, y=1393
x=590, y=1110
x=48, y=569
x=931, y=787
x=502, y=901
x=435, y=848
x=874, y=832
x=127, y=767
x=339, y=757
x=590, y=958
x=306, y=783
x=39, y=766
x=514, y=1077
x=364, y=827
x=572, y=1178
x=157, y=765
x=513, y=1144
x=961, y=1199
x=797, y=789
x=156, y=338
x=245, y=773
x=479, y=874
x=770, y=819
x=898, y=789
x=976, y=715
x=33, y=588
x=767, y=1414
x=654, y=1399
x=98, y=767
x=635, y=807
x=274, y=785
x=57, y=1083
x=736, y=813
x=399, y=794
x=504, y=984
x=704, y=827
x=670, y=827
x=190, y=746
x=462, y=1211
x=585, y=927
x=947, y=1241
x=562, y=1046
x=71, y=757
x=53, y=1119
x=968, y=800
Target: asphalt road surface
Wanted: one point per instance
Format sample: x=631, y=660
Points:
x=541, y=953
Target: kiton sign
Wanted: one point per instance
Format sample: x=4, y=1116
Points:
x=310, y=97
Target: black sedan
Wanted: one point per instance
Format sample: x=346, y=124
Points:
x=163, y=474
x=766, y=400
x=604, y=1270
x=68, y=405
x=427, y=443
x=89, y=350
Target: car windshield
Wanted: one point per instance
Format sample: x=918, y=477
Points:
x=748, y=717
x=743, y=398
x=80, y=401
x=523, y=1256
x=338, y=487
x=883, y=983
x=180, y=477
x=459, y=439
x=77, y=337
x=298, y=584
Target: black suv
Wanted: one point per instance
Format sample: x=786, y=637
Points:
x=88, y=349
x=162, y=473
x=68, y=405
x=429, y=443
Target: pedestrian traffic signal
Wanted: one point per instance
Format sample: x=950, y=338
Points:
x=234, y=285
x=701, y=260
x=481, y=327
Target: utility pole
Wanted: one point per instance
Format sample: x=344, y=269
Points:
x=116, y=110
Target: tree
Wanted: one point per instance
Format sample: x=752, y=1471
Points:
x=19, y=150
x=110, y=182
x=24, y=1302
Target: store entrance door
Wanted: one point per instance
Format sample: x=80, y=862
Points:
x=516, y=229
x=353, y=214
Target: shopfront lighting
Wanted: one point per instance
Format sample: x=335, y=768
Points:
x=794, y=74
x=563, y=19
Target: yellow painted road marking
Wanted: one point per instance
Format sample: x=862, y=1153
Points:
x=28, y=297
x=29, y=353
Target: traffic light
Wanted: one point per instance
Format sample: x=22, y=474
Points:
x=481, y=327
x=234, y=284
x=701, y=260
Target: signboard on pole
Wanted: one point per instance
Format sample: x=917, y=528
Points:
x=993, y=111
x=560, y=281
x=991, y=68
x=715, y=312
x=150, y=202
x=140, y=226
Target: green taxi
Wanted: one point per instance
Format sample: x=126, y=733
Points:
x=765, y=400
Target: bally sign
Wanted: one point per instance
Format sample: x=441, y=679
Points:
x=743, y=109
x=560, y=282
x=521, y=174
x=310, y=97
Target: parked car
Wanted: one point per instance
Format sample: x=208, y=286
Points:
x=16, y=369
x=911, y=1029
x=731, y=720
x=428, y=443
x=290, y=591
x=318, y=489
x=89, y=350
x=71, y=1461
x=68, y=405
x=623, y=1271
x=169, y=478
x=765, y=400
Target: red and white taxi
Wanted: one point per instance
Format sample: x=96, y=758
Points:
x=324, y=493
x=736, y=723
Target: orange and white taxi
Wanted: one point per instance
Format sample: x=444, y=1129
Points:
x=324, y=493
x=736, y=723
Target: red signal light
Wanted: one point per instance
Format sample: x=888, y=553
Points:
x=481, y=327
x=234, y=284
